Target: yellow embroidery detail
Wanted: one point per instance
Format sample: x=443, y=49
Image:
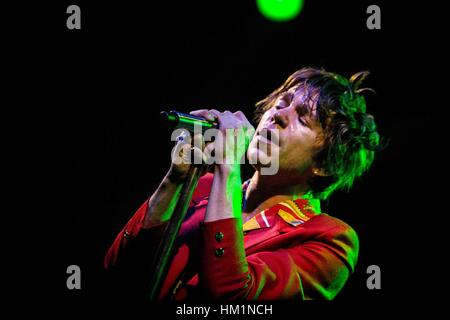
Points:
x=291, y=205
x=251, y=224
x=290, y=219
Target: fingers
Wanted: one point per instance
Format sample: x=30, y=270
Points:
x=185, y=154
x=179, y=152
x=214, y=114
x=240, y=115
x=199, y=141
x=189, y=149
x=214, y=147
x=205, y=113
x=249, y=129
x=227, y=120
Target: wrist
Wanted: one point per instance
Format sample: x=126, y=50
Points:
x=225, y=199
x=173, y=177
x=228, y=170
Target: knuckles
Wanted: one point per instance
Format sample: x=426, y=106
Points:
x=227, y=119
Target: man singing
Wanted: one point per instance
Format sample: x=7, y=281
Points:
x=264, y=238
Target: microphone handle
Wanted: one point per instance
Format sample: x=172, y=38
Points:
x=182, y=120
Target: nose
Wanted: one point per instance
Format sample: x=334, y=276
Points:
x=280, y=117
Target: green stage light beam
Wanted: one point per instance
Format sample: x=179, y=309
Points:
x=280, y=10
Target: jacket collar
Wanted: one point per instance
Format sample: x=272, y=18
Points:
x=294, y=212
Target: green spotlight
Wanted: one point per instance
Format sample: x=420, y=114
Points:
x=280, y=10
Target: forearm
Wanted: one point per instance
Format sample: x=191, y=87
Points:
x=162, y=203
x=225, y=199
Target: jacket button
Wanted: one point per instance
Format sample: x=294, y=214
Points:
x=126, y=235
x=219, y=236
x=219, y=252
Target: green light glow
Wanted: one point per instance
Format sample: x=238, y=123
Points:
x=280, y=10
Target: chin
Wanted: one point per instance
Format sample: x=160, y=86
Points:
x=258, y=158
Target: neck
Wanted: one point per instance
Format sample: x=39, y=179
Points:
x=265, y=191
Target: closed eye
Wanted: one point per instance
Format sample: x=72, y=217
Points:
x=284, y=100
x=281, y=104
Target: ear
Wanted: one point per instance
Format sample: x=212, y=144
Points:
x=320, y=172
x=320, y=139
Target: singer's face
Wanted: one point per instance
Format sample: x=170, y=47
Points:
x=291, y=122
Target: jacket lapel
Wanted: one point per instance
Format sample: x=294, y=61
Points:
x=272, y=221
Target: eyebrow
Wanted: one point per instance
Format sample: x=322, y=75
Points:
x=286, y=95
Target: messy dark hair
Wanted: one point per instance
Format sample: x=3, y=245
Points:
x=351, y=136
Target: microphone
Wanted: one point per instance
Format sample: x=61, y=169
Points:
x=181, y=120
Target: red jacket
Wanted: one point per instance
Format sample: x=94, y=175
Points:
x=287, y=251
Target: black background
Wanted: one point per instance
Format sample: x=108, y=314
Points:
x=129, y=61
